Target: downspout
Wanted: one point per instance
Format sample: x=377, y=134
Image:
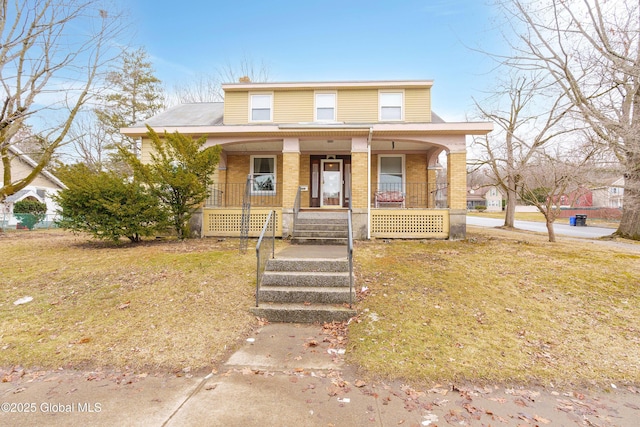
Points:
x=369, y=183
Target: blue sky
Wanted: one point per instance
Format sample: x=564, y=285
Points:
x=326, y=40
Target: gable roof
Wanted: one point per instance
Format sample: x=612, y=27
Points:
x=33, y=164
x=21, y=195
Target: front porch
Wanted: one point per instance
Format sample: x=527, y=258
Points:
x=419, y=212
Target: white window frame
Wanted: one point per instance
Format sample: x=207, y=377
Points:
x=383, y=104
x=275, y=174
x=334, y=106
x=404, y=172
x=251, y=106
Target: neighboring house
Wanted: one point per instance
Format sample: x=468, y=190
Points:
x=579, y=198
x=371, y=145
x=610, y=195
x=42, y=188
x=490, y=197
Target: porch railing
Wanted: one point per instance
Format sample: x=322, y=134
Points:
x=416, y=195
x=231, y=194
x=265, y=247
x=246, y=216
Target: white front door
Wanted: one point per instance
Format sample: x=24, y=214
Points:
x=331, y=183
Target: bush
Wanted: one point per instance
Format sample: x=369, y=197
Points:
x=108, y=205
x=480, y=208
x=29, y=212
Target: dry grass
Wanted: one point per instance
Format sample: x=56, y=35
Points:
x=161, y=305
x=499, y=308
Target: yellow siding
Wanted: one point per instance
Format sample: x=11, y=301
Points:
x=293, y=106
x=358, y=106
x=417, y=104
x=353, y=106
x=146, y=150
x=236, y=108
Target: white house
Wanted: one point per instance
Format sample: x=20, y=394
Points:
x=41, y=189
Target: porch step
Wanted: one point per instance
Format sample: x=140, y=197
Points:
x=303, y=286
x=310, y=265
x=319, y=241
x=302, y=313
x=302, y=294
x=305, y=278
x=321, y=228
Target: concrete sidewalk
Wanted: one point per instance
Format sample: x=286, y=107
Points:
x=292, y=375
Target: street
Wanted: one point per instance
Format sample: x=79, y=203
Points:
x=561, y=227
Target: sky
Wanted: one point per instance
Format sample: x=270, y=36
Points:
x=329, y=40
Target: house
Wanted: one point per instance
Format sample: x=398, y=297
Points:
x=325, y=146
x=488, y=196
x=610, y=195
x=42, y=188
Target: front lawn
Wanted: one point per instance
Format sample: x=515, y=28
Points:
x=499, y=307
x=165, y=305
x=502, y=306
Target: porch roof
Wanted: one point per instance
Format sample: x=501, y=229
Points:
x=315, y=129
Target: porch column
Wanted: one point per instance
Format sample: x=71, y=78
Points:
x=359, y=186
x=431, y=187
x=457, y=194
x=290, y=181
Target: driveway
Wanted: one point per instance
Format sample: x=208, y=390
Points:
x=560, y=227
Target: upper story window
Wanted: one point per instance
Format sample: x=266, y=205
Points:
x=263, y=174
x=391, y=106
x=261, y=108
x=325, y=107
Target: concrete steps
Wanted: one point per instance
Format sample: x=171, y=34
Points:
x=321, y=228
x=303, y=313
x=306, y=289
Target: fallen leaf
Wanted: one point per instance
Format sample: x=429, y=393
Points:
x=539, y=419
x=125, y=305
x=360, y=383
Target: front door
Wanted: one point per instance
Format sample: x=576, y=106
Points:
x=331, y=183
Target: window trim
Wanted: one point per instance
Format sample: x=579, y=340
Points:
x=275, y=174
x=404, y=172
x=335, y=106
x=251, y=95
x=380, y=105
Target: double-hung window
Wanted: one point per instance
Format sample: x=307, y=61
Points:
x=391, y=173
x=325, y=107
x=263, y=174
x=391, y=105
x=261, y=107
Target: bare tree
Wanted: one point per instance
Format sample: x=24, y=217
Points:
x=591, y=48
x=90, y=141
x=208, y=87
x=549, y=181
x=51, y=55
x=533, y=117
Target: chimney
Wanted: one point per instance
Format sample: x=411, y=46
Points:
x=244, y=79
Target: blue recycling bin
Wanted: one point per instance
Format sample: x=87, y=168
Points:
x=572, y=220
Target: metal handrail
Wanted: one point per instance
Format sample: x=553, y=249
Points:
x=260, y=265
x=296, y=209
x=350, y=254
